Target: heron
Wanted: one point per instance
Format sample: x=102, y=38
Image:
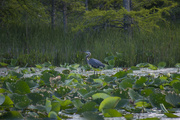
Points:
x=93, y=62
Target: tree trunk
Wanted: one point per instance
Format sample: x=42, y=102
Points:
x=53, y=14
x=65, y=16
x=86, y=4
x=127, y=19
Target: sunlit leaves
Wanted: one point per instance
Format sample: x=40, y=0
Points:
x=152, y=67
x=8, y=102
x=109, y=103
x=3, y=64
x=111, y=113
x=142, y=104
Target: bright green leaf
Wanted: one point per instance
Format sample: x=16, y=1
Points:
x=111, y=113
x=109, y=103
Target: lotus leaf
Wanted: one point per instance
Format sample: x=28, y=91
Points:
x=173, y=99
x=157, y=98
x=100, y=95
x=134, y=95
x=2, y=99
x=161, y=64
x=89, y=115
x=111, y=113
x=109, y=103
x=140, y=83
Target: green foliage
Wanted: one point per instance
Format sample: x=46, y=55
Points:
x=56, y=95
x=109, y=103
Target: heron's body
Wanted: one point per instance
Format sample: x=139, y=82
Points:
x=93, y=62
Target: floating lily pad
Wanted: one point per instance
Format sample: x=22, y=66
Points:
x=109, y=103
x=134, y=95
x=173, y=99
x=161, y=64
x=111, y=113
x=157, y=98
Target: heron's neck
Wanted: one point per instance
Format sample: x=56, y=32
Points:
x=87, y=58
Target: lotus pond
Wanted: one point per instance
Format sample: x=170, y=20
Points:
x=73, y=92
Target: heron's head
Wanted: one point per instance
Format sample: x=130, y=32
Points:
x=88, y=53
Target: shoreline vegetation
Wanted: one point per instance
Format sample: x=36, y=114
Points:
x=43, y=44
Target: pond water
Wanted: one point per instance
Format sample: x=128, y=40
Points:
x=141, y=72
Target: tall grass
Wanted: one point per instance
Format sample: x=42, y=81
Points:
x=38, y=43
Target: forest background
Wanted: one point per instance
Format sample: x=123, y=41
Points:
x=132, y=31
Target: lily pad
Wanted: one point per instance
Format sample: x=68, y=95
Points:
x=100, y=95
x=109, y=103
x=173, y=99
x=111, y=113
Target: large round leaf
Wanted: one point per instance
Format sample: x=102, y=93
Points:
x=173, y=99
x=157, y=98
x=109, y=103
x=20, y=101
x=89, y=106
x=22, y=87
x=140, y=82
x=111, y=113
x=176, y=86
x=134, y=95
x=125, y=84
